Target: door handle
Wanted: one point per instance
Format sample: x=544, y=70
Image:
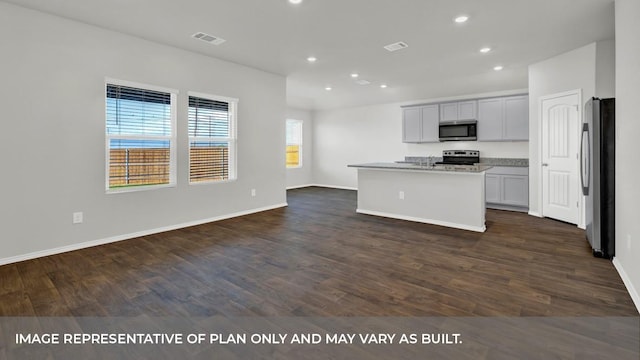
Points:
x=585, y=177
x=545, y=164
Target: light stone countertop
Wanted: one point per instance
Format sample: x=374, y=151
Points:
x=417, y=167
x=515, y=162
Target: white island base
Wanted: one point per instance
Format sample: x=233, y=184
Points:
x=449, y=198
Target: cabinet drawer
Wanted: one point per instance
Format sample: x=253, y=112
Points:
x=509, y=170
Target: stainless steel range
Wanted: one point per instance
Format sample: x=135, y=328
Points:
x=459, y=159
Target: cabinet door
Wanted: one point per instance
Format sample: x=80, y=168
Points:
x=449, y=112
x=490, y=115
x=467, y=110
x=492, y=187
x=411, y=123
x=515, y=190
x=516, y=118
x=430, y=122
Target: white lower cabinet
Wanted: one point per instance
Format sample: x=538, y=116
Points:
x=507, y=188
x=492, y=183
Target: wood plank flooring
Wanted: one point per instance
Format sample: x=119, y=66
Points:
x=317, y=257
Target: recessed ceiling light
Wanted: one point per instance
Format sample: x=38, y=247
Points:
x=485, y=50
x=328, y=88
x=295, y=1
x=383, y=86
x=498, y=68
x=460, y=19
x=311, y=59
x=354, y=75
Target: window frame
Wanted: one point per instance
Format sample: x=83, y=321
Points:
x=232, y=139
x=300, y=144
x=173, y=96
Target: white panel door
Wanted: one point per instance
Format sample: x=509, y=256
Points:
x=560, y=147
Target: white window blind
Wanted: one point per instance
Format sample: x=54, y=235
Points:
x=294, y=143
x=211, y=139
x=140, y=137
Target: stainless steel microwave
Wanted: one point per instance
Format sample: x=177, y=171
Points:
x=463, y=130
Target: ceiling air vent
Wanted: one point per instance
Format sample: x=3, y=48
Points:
x=363, y=82
x=208, y=38
x=396, y=46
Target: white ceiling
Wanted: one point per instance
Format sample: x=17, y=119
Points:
x=348, y=36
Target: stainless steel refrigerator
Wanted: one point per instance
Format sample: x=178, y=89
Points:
x=597, y=172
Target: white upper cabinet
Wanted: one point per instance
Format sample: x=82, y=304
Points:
x=449, y=112
x=462, y=110
x=467, y=110
x=516, y=116
x=499, y=119
x=503, y=119
x=411, y=126
x=490, y=119
x=430, y=123
x=420, y=124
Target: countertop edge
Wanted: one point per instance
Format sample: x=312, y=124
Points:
x=397, y=166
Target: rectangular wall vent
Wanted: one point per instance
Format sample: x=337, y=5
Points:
x=396, y=46
x=208, y=38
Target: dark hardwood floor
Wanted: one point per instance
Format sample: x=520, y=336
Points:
x=319, y=258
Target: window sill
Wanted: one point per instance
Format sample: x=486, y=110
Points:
x=212, y=182
x=130, y=189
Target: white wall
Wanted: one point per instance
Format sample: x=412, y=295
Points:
x=52, y=145
x=606, y=69
x=374, y=133
x=570, y=71
x=302, y=176
x=627, y=129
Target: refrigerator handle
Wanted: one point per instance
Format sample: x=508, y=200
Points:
x=585, y=182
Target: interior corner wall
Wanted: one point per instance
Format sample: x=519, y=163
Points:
x=374, y=133
x=302, y=176
x=606, y=69
x=573, y=70
x=52, y=143
x=627, y=258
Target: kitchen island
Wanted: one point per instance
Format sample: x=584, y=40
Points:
x=440, y=195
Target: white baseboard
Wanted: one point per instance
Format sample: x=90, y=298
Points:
x=117, y=238
x=535, y=213
x=299, y=186
x=421, y=220
x=635, y=296
x=335, y=187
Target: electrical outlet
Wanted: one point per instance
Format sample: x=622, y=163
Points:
x=401, y=195
x=78, y=217
x=628, y=242
x=253, y=192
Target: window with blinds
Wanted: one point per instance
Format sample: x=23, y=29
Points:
x=294, y=143
x=140, y=137
x=211, y=139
